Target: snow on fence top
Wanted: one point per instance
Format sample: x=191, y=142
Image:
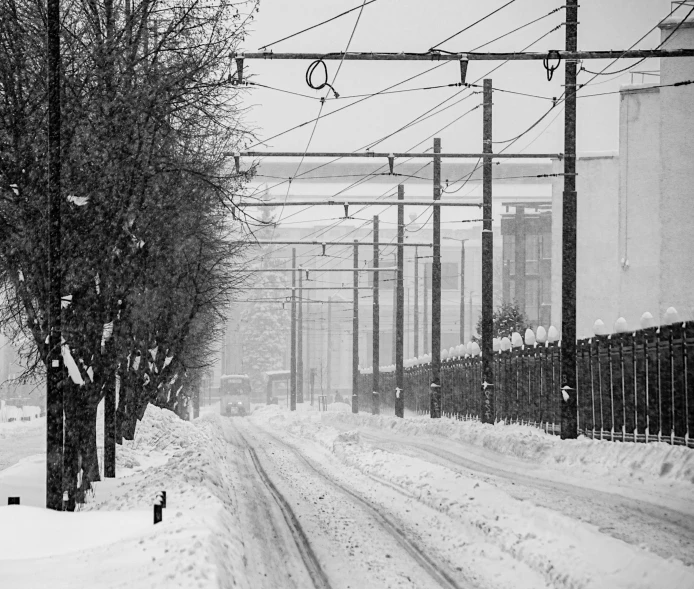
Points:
x=530, y=338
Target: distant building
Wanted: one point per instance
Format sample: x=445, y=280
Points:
x=636, y=207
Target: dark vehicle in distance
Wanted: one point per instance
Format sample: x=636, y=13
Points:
x=235, y=394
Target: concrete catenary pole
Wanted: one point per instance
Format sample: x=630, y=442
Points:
x=400, y=311
x=487, y=385
x=355, y=332
x=435, y=396
x=54, y=393
x=329, y=361
x=425, y=327
x=462, y=291
x=292, y=344
x=375, y=398
x=300, y=341
x=416, y=303
x=569, y=418
x=393, y=284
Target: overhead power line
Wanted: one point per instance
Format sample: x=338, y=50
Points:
x=317, y=25
x=467, y=28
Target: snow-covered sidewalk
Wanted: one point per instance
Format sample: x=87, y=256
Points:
x=496, y=530
x=112, y=541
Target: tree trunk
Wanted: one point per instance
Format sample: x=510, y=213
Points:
x=72, y=443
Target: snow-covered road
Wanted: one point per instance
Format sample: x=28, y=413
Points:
x=312, y=499
x=343, y=523
x=381, y=508
x=664, y=524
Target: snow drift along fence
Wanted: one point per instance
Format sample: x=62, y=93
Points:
x=636, y=386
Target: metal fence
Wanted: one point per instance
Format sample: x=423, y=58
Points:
x=636, y=386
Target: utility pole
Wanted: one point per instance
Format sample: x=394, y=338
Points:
x=292, y=345
x=300, y=343
x=54, y=393
x=569, y=421
x=308, y=343
x=400, y=311
x=425, y=331
x=416, y=303
x=355, y=332
x=394, y=284
x=376, y=352
x=462, y=291
x=328, y=367
x=487, y=384
x=435, y=397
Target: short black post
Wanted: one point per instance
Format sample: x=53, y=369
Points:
x=159, y=505
x=13, y=501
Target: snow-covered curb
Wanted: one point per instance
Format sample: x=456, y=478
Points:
x=587, y=456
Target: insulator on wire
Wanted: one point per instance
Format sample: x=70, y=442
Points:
x=323, y=246
x=463, y=69
x=391, y=162
x=239, y=69
x=346, y=205
x=237, y=162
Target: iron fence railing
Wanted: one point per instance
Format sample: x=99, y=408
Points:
x=636, y=386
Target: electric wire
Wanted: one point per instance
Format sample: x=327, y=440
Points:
x=467, y=28
x=361, y=7
x=603, y=73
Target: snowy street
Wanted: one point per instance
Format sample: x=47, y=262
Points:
x=331, y=499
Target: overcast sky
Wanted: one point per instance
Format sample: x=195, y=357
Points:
x=410, y=25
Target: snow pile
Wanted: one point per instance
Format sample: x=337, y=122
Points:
x=587, y=456
x=113, y=541
x=31, y=412
x=10, y=413
x=566, y=552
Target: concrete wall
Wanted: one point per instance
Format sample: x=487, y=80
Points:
x=677, y=173
x=597, y=288
x=637, y=265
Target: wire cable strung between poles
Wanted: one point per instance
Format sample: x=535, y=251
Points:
x=431, y=69
x=467, y=28
x=317, y=25
x=660, y=45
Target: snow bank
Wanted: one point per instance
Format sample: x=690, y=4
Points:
x=11, y=413
x=113, y=541
x=566, y=552
x=596, y=457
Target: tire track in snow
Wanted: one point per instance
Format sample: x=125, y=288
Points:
x=665, y=531
x=436, y=572
x=315, y=571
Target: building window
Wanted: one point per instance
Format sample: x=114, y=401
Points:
x=532, y=254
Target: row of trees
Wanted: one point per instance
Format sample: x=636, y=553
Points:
x=149, y=255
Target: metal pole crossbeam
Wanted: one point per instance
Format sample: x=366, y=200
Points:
x=360, y=202
x=568, y=55
x=288, y=287
x=327, y=243
x=371, y=154
x=389, y=269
